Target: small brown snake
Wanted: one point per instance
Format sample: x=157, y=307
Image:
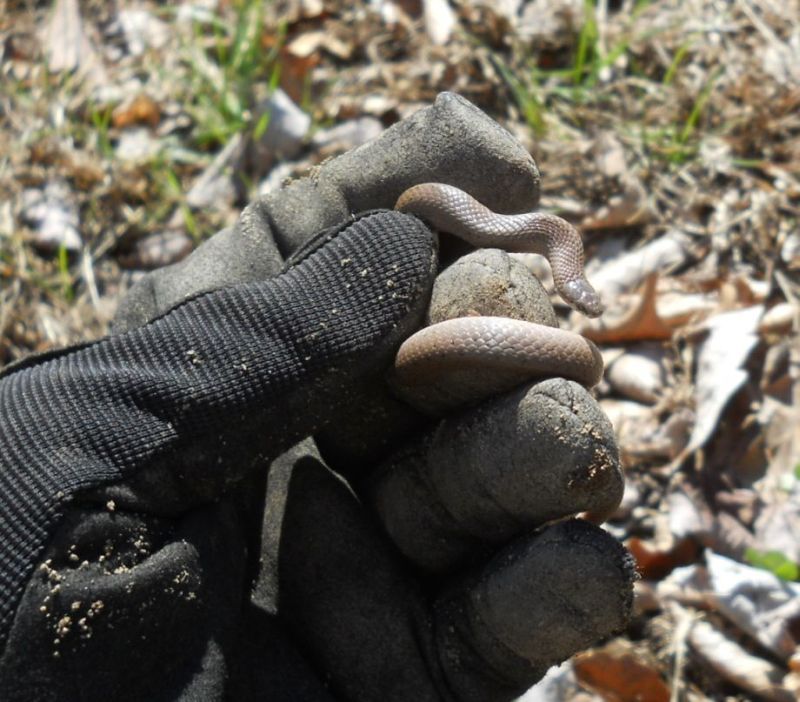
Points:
x=454, y=351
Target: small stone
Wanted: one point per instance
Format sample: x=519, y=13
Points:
x=52, y=213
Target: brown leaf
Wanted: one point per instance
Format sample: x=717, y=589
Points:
x=641, y=323
x=743, y=291
x=298, y=58
x=141, y=109
x=620, y=675
x=654, y=563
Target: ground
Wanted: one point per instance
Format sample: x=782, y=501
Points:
x=667, y=130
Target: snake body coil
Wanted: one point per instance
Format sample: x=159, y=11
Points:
x=469, y=358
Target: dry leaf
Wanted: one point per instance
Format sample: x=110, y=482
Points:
x=620, y=675
x=687, y=585
x=66, y=44
x=748, y=290
x=141, y=109
x=641, y=323
x=720, y=373
x=690, y=516
x=792, y=683
x=295, y=72
x=674, y=433
x=736, y=665
x=780, y=417
x=654, y=563
x=378, y=105
x=779, y=420
x=677, y=307
x=628, y=270
x=778, y=319
x=756, y=601
x=295, y=10
x=311, y=9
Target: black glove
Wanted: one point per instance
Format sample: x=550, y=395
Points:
x=143, y=556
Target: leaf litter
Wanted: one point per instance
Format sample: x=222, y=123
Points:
x=667, y=130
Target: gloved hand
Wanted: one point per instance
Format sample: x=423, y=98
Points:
x=160, y=538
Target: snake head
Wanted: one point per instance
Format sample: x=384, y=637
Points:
x=580, y=295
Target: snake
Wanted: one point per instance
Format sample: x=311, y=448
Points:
x=469, y=358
